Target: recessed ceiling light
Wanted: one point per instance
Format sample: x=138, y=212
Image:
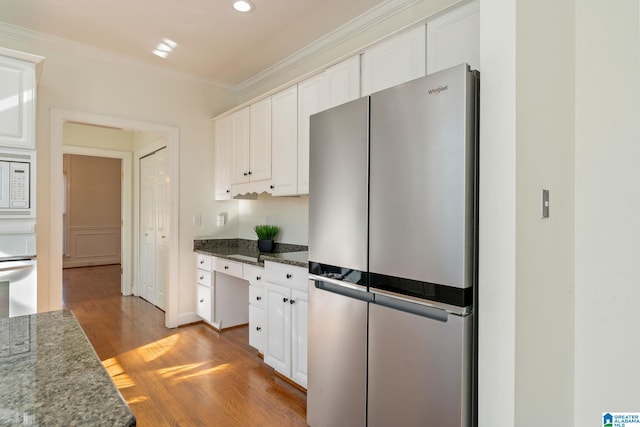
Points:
x=243, y=5
x=164, y=48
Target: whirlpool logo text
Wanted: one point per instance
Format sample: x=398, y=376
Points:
x=439, y=89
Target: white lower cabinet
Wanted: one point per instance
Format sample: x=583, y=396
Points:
x=204, y=288
x=286, y=307
x=221, y=292
x=203, y=309
x=257, y=332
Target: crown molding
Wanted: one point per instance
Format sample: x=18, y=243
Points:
x=367, y=20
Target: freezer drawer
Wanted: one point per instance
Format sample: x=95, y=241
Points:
x=419, y=368
x=337, y=379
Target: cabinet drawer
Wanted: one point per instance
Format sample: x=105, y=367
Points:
x=256, y=296
x=225, y=266
x=203, y=262
x=287, y=275
x=257, y=334
x=203, y=309
x=253, y=274
x=203, y=277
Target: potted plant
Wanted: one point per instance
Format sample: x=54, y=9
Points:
x=266, y=233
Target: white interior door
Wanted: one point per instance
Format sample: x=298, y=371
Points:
x=162, y=226
x=154, y=227
x=148, y=228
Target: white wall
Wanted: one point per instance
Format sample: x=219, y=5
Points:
x=497, y=262
x=607, y=202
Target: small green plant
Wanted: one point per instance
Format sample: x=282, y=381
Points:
x=266, y=231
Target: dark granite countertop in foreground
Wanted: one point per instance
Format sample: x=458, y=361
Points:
x=244, y=250
x=51, y=376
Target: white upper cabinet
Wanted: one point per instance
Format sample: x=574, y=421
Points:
x=284, y=142
x=454, y=38
x=221, y=158
x=336, y=85
x=393, y=61
x=260, y=147
x=251, y=143
x=342, y=82
x=17, y=103
x=239, y=145
x=309, y=102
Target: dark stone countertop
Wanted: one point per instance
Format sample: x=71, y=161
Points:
x=246, y=251
x=51, y=376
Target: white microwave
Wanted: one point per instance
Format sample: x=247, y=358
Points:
x=17, y=169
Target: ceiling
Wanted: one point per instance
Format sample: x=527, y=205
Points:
x=214, y=41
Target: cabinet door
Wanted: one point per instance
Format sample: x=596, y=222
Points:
x=277, y=352
x=260, y=137
x=256, y=328
x=394, y=61
x=284, y=142
x=17, y=103
x=221, y=160
x=203, y=309
x=239, y=145
x=454, y=38
x=309, y=102
x=343, y=82
x=299, y=315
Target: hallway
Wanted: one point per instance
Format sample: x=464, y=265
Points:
x=189, y=376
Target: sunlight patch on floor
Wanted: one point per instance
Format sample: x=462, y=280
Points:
x=156, y=349
x=191, y=370
x=117, y=374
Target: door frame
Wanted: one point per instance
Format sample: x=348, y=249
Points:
x=57, y=118
x=125, y=206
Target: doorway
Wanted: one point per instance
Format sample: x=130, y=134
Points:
x=130, y=243
x=92, y=216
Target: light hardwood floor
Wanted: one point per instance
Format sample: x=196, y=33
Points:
x=189, y=376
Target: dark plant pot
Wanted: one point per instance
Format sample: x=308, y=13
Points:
x=265, y=245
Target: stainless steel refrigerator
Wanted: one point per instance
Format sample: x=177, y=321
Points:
x=393, y=256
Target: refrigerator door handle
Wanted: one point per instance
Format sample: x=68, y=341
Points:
x=339, y=289
x=336, y=282
x=411, y=307
x=381, y=295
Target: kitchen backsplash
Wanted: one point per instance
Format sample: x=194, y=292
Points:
x=291, y=214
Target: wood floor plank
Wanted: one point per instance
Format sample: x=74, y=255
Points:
x=188, y=376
